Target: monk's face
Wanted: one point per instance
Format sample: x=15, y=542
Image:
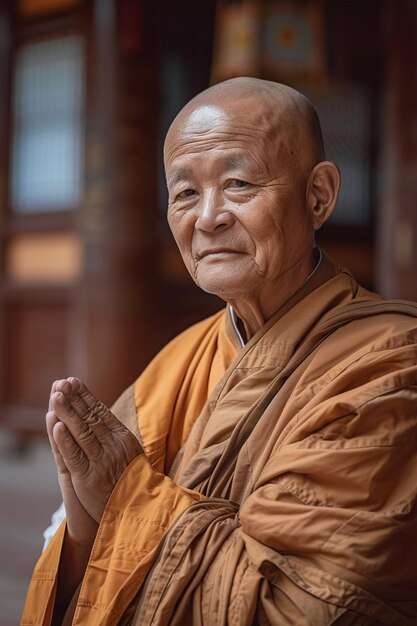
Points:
x=237, y=199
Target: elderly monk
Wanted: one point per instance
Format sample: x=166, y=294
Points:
x=263, y=468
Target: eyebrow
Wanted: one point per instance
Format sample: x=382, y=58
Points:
x=234, y=162
x=177, y=175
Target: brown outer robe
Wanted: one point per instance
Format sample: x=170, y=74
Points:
x=292, y=500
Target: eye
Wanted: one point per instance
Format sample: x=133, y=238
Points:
x=187, y=193
x=237, y=182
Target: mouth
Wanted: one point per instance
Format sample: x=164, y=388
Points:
x=216, y=251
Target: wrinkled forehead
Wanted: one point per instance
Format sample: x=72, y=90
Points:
x=251, y=123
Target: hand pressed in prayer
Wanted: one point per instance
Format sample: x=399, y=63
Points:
x=91, y=448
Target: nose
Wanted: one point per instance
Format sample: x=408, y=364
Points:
x=213, y=214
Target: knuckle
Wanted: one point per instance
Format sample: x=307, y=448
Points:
x=86, y=436
x=99, y=407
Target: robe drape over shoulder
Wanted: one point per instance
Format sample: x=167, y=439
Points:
x=279, y=482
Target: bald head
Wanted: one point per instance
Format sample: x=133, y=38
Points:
x=280, y=112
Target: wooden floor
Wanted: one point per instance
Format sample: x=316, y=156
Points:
x=29, y=493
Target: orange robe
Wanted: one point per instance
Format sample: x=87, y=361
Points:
x=279, y=484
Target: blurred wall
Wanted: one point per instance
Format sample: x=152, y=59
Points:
x=91, y=283
x=396, y=223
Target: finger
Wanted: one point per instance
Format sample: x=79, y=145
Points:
x=54, y=384
x=103, y=422
x=80, y=431
x=51, y=420
x=94, y=417
x=73, y=455
x=97, y=407
x=93, y=414
x=74, y=399
x=73, y=507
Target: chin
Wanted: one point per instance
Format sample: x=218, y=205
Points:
x=226, y=289
x=227, y=280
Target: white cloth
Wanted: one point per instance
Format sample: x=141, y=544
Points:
x=56, y=520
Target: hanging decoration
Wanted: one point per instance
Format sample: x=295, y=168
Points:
x=236, y=48
x=282, y=40
x=293, y=41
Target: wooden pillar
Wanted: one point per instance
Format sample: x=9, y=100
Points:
x=113, y=308
x=397, y=218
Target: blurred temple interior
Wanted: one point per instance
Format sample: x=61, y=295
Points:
x=91, y=283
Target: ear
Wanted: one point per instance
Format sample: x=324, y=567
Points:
x=322, y=190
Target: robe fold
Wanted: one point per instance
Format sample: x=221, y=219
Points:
x=279, y=480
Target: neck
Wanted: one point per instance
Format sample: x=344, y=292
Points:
x=255, y=310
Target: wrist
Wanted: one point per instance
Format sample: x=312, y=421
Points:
x=78, y=550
